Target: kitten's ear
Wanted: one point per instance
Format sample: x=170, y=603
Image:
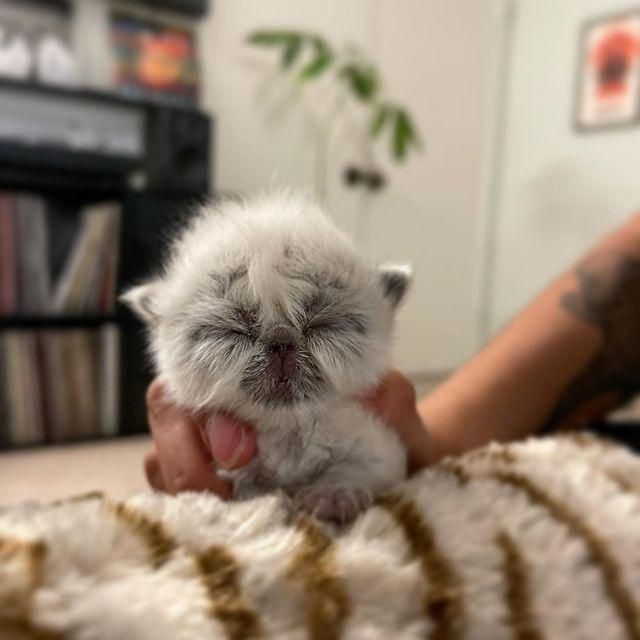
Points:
x=142, y=300
x=395, y=281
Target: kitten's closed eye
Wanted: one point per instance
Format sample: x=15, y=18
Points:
x=244, y=323
x=339, y=323
x=247, y=317
x=241, y=323
x=321, y=318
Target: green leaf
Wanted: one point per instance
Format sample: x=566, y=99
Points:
x=404, y=135
x=316, y=67
x=362, y=80
x=380, y=118
x=321, y=45
x=415, y=139
x=401, y=135
x=319, y=64
x=270, y=38
x=291, y=52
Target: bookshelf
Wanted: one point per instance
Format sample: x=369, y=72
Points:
x=22, y=322
x=70, y=182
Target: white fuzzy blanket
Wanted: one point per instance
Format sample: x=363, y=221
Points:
x=529, y=541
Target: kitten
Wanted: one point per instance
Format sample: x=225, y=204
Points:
x=266, y=311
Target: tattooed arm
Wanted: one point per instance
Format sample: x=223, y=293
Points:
x=571, y=356
x=608, y=298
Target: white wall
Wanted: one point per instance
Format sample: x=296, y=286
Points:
x=437, y=56
x=560, y=189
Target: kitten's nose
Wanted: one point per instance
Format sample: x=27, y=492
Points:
x=282, y=344
x=283, y=348
x=281, y=338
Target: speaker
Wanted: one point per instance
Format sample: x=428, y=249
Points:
x=193, y=8
x=178, y=153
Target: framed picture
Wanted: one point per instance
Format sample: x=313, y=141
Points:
x=154, y=58
x=609, y=73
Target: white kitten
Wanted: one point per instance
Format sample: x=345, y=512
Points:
x=266, y=311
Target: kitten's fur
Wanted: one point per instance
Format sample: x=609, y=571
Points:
x=266, y=311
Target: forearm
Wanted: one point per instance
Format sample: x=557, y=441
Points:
x=551, y=362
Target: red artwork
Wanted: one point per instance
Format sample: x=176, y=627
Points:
x=154, y=59
x=610, y=72
x=613, y=57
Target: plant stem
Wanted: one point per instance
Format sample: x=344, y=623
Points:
x=320, y=165
x=363, y=219
x=324, y=133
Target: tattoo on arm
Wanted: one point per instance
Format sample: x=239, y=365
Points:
x=608, y=298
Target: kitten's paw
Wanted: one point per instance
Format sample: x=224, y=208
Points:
x=338, y=504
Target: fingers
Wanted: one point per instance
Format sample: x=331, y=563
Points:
x=183, y=462
x=232, y=443
x=152, y=470
x=394, y=402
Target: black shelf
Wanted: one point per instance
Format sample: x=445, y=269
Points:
x=57, y=322
x=60, y=5
x=176, y=171
x=191, y=8
x=88, y=94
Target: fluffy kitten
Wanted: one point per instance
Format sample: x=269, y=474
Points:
x=266, y=311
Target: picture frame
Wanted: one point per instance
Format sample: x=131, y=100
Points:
x=154, y=57
x=608, y=74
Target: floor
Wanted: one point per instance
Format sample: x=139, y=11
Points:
x=114, y=467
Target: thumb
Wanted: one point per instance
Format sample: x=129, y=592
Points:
x=231, y=442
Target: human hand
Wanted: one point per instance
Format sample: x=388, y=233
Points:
x=188, y=450
x=394, y=402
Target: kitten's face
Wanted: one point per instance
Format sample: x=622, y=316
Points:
x=310, y=335
x=273, y=329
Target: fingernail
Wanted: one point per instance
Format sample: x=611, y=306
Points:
x=227, y=440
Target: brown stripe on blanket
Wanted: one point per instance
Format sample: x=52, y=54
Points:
x=24, y=630
x=494, y=453
x=443, y=602
x=24, y=561
x=81, y=497
x=216, y=567
x=622, y=483
x=314, y=566
x=15, y=604
x=220, y=574
x=620, y=597
x=160, y=544
x=517, y=591
x=450, y=465
x=585, y=439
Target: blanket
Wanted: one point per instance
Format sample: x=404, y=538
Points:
x=535, y=540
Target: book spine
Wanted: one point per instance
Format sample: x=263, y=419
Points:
x=109, y=380
x=78, y=282
x=33, y=254
x=7, y=256
x=5, y=417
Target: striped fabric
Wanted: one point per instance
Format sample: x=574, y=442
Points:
x=531, y=541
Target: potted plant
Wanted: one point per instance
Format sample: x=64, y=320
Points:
x=307, y=58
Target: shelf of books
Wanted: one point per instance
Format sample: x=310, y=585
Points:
x=59, y=333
